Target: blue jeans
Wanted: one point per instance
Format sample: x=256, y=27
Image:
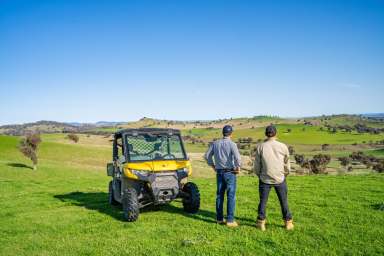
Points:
x=282, y=193
x=226, y=181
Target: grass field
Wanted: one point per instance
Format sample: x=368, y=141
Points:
x=62, y=209
x=310, y=135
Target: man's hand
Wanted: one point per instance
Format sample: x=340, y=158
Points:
x=236, y=170
x=213, y=167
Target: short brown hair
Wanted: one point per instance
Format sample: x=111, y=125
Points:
x=270, y=131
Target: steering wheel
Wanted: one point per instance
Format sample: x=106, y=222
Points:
x=169, y=156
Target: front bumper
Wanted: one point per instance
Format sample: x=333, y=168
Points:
x=165, y=186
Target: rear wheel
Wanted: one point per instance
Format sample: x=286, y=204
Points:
x=130, y=205
x=111, y=197
x=191, y=202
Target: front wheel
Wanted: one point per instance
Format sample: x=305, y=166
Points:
x=130, y=205
x=191, y=202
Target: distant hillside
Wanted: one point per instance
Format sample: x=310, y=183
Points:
x=108, y=124
x=105, y=127
x=345, y=119
x=375, y=116
x=40, y=126
x=238, y=123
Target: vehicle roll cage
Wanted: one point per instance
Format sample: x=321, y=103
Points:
x=121, y=134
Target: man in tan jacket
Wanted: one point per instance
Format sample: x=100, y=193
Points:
x=272, y=166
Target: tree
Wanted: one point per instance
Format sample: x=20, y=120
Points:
x=325, y=147
x=29, y=146
x=73, y=137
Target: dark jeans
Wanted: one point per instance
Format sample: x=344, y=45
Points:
x=281, y=191
x=226, y=181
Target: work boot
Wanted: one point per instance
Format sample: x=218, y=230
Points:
x=232, y=224
x=289, y=224
x=221, y=222
x=260, y=224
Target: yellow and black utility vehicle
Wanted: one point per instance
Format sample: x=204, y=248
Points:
x=150, y=167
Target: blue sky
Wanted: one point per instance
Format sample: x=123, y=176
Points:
x=122, y=60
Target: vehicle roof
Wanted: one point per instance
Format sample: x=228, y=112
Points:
x=147, y=130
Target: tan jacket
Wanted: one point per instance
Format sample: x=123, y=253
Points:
x=272, y=161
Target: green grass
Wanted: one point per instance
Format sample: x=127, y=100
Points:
x=195, y=148
x=62, y=209
x=310, y=136
x=350, y=120
x=376, y=152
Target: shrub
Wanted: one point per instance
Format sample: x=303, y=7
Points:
x=28, y=147
x=299, y=159
x=319, y=163
x=356, y=156
x=245, y=140
x=379, y=167
x=291, y=150
x=345, y=161
x=73, y=137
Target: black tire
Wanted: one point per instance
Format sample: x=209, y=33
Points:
x=130, y=205
x=111, y=197
x=191, y=203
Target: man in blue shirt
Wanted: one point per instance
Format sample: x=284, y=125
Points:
x=224, y=157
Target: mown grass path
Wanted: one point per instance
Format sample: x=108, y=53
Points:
x=62, y=209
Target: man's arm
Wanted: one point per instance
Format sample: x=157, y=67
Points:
x=236, y=157
x=209, y=156
x=287, y=163
x=257, y=163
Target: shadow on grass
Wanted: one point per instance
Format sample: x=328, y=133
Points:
x=205, y=215
x=98, y=201
x=19, y=165
x=379, y=207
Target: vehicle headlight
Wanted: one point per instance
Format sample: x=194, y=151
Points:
x=140, y=172
x=183, y=172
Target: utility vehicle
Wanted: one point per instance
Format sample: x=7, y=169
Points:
x=150, y=167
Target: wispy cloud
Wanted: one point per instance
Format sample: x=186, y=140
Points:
x=351, y=86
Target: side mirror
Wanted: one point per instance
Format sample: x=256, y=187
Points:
x=110, y=169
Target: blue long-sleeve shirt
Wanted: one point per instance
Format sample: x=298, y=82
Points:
x=223, y=154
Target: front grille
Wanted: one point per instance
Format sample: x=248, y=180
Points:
x=168, y=181
x=165, y=187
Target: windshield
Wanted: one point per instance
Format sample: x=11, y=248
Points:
x=146, y=147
